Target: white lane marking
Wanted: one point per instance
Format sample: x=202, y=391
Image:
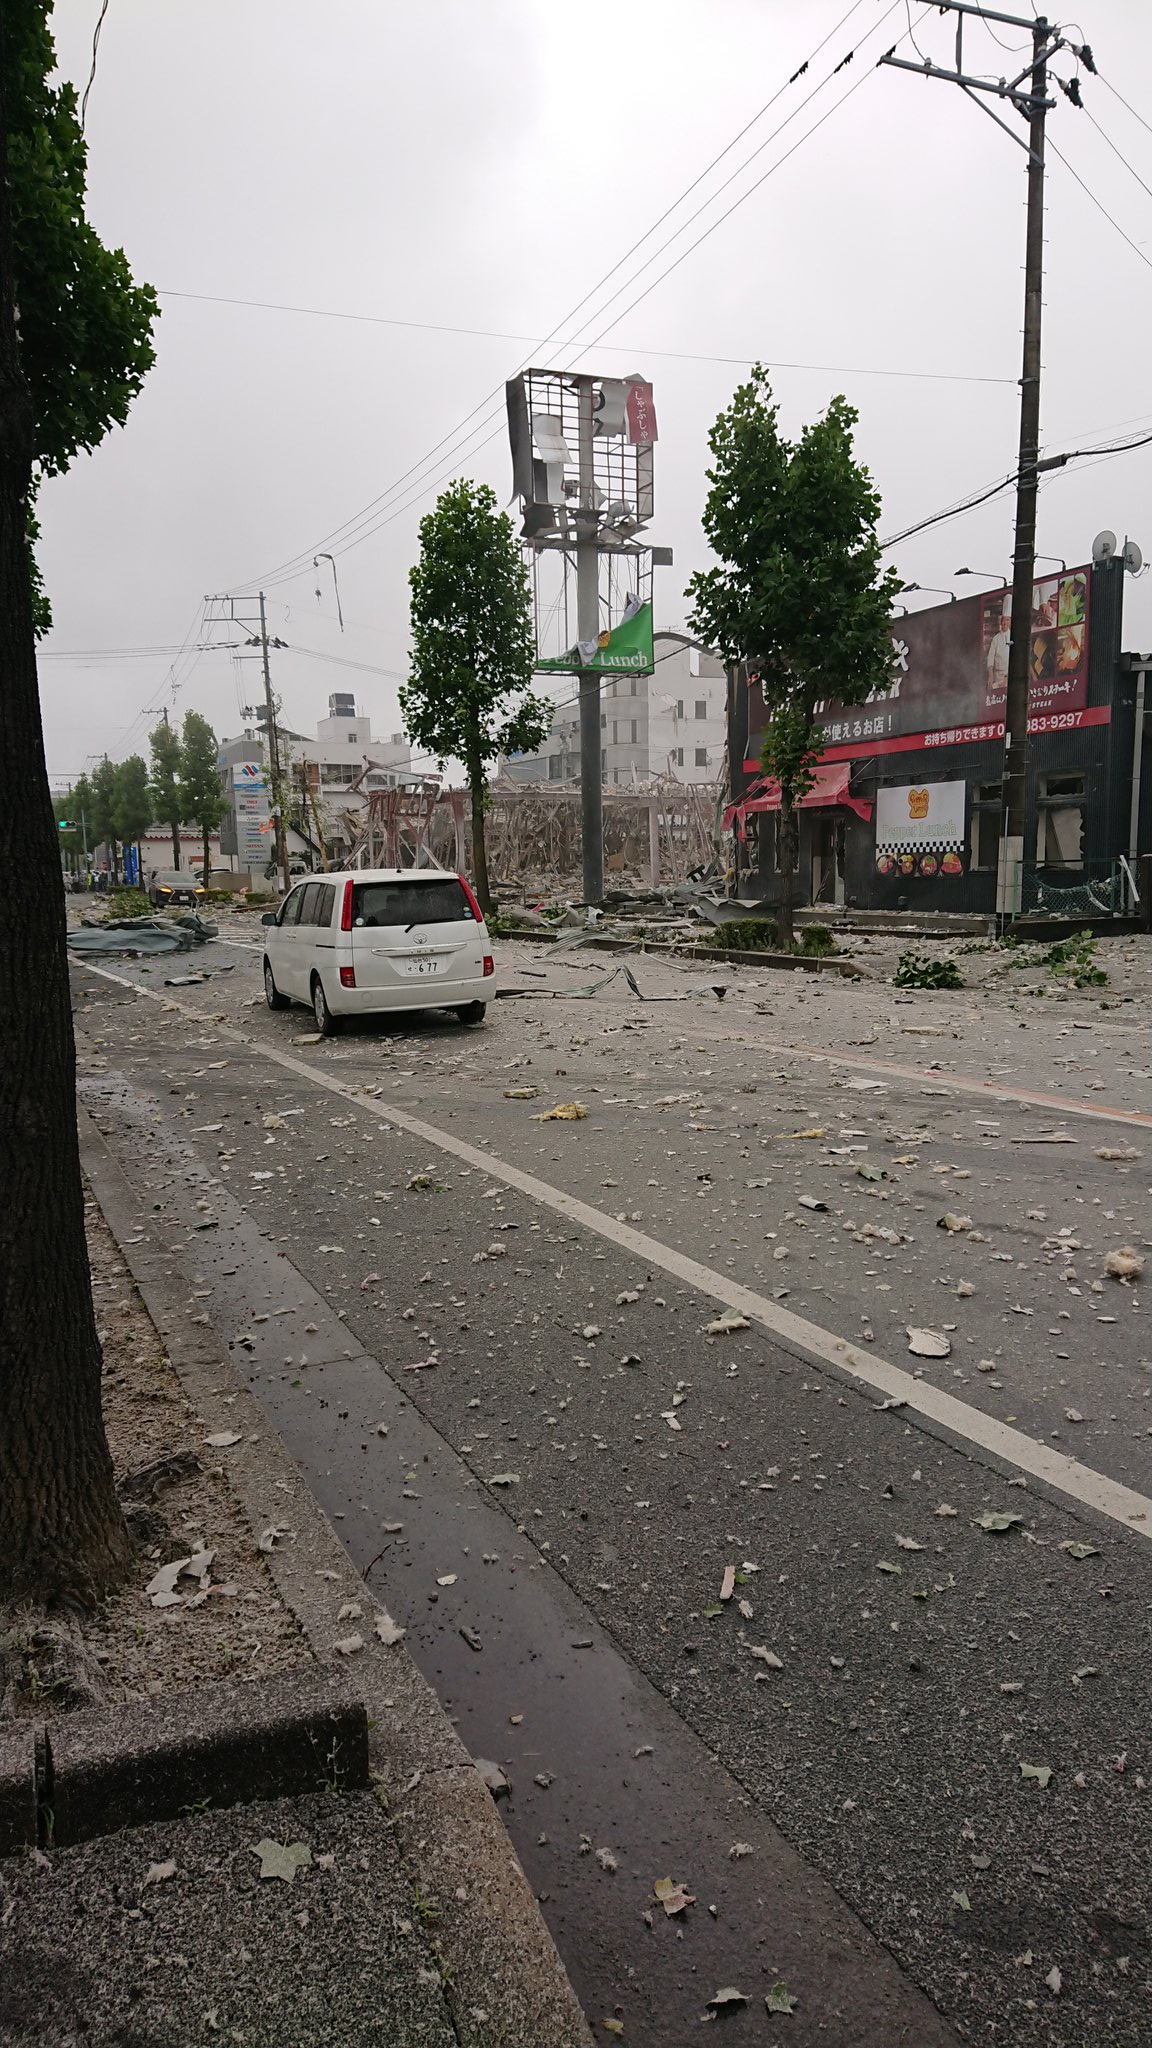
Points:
x=990, y=1091
x=1066, y=1475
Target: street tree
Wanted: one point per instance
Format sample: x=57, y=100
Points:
x=68, y=372
x=798, y=590
x=132, y=805
x=105, y=829
x=164, y=782
x=69, y=839
x=473, y=648
x=204, y=799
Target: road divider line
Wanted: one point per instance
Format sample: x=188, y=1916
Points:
x=1078, y=1482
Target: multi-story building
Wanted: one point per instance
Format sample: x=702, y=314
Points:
x=672, y=722
x=327, y=779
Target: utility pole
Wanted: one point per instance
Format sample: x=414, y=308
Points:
x=587, y=632
x=273, y=753
x=1028, y=93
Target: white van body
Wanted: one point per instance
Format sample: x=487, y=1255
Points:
x=375, y=939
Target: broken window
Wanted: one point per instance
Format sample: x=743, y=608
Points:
x=987, y=804
x=1060, y=837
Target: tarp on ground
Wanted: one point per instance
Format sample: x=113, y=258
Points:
x=142, y=935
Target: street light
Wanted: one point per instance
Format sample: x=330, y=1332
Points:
x=993, y=573
x=934, y=588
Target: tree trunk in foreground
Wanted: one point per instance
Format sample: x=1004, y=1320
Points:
x=788, y=843
x=62, y=1537
x=206, y=877
x=479, y=848
x=175, y=846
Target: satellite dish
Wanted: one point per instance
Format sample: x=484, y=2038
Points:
x=1133, y=559
x=1104, y=546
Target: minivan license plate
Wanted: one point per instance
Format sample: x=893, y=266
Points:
x=420, y=966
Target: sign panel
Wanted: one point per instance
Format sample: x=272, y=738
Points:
x=920, y=828
x=625, y=646
x=255, y=839
x=950, y=666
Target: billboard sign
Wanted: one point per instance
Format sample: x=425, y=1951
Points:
x=626, y=646
x=920, y=828
x=254, y=833
x=950, y=665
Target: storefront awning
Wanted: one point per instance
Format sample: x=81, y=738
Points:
x=830, y=790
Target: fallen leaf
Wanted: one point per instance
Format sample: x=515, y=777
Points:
x=928, y=1343
x=997, y=1524
x=909, y=1543
x=1041, y=1773
x=818, y=1133
x=673, y=1897
x=893, y=1570
x=1080, y=1550
x=612, y=2026
x=780, y=1999
x=944, y=1509
x=282, y=1859
x=564, y=1113
x=962, y=1900
x=726, y=1999
x=159, y=1872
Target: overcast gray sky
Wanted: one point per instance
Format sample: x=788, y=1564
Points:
x=481, y=164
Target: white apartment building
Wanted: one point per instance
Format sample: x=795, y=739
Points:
x=344, y=752
x=673, y=722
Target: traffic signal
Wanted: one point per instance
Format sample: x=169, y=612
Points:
x=65, y=824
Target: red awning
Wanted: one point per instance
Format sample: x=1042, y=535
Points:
x=830, y=789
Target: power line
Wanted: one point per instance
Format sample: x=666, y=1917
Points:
x=1048, y=464
x=1104, y=135
x=293, y=565
x=1099, y=203
x=1125, y=103
x=92, y=73
x=423, y=485
x=637, y=348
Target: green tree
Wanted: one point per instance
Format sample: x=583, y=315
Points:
x=132, y=805
x=798, y=592
x=166, y=789
x=68, y=371
x=68, y=835
x=204, y=800
x=473, y=647
x=104, y=823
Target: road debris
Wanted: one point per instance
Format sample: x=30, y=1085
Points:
x=673, y=1897
x=564, y=1113
x=928, y=1343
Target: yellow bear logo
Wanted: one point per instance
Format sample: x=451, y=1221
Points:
x=917, y=803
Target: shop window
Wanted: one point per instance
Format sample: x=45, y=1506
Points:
x=1060, y=826
x=987, y=806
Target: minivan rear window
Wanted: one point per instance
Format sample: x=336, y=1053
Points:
x=390, y=903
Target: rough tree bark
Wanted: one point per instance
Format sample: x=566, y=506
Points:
x=477, y=790
x=62, y=1537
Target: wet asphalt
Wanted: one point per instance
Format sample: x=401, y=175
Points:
x=585, y=1493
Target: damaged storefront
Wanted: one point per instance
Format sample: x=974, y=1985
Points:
x=905, y=811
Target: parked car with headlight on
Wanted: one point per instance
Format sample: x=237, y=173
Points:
x=174, y=885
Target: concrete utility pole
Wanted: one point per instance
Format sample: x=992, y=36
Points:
x=588, y=629
x=273, y=753
x=1028, y=93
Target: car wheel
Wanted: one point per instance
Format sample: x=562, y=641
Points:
x=472, y=1013
x=272, y=995
x=326, y=1023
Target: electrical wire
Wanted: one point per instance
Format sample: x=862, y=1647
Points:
x=1124, y=103
x=1104, y=135
x=1099, y=204
x=1054, y=465
x=637, y=348
x=92, y=73
x=295, y=563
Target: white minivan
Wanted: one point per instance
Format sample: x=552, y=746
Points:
x=379, y=939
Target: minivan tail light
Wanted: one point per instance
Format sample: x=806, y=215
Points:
x=346, y=908
x=489, y=964
x=473, y=906
x=347, y=977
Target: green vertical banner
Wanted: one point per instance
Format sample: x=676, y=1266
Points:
x=625, y=647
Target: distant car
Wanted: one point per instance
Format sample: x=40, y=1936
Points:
x=379, y=939
x=174, y=885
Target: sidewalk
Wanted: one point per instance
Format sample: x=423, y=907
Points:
x=406, y=1919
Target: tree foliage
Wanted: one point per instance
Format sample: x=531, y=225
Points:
x=797, y=591
x=102, y=824
x=164, y=782
x=473, y=646
x=203, y=791
x=132, y=801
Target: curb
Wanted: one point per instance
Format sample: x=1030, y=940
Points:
x=504, y=1980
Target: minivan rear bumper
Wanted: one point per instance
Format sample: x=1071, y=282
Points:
x=420, y=994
